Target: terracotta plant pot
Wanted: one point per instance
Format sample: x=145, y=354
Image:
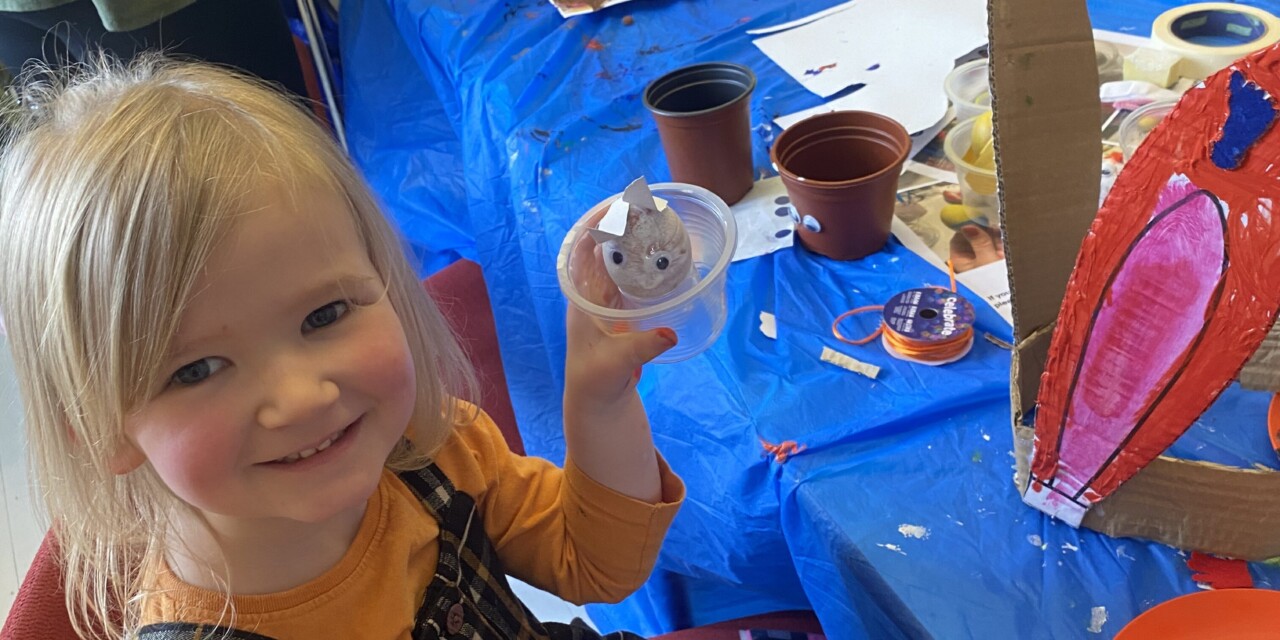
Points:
x=841, y=172
x=703, y=113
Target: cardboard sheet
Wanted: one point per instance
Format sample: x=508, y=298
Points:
x=1262, y=371
x=1043, y=81
x=1044, y=88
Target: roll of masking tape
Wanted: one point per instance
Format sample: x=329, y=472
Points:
x=1211, y=35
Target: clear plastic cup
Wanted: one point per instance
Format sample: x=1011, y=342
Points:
x=697, y=314
x=967, y=88
x=977, y=184
x=1138, y=124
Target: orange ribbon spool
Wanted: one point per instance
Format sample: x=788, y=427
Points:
x=927, y=351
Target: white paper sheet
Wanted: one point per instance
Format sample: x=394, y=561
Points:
x=991, y=281
x=801, y=22
x=900, y=49
x=764, y=220
x=921, y=139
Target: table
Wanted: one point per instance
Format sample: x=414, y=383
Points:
x=488, y=127
x=987, y=567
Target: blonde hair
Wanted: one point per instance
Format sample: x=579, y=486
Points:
x=116, y=181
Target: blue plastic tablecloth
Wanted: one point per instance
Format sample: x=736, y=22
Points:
x=489, y=127
x=921, y=534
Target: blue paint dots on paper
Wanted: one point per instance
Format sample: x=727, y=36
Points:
x=782, y=233
x=782, y=212
x=1250, y=115
x=873, y=67
x=781, y=200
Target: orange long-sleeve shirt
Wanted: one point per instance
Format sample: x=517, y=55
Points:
x=556, y=529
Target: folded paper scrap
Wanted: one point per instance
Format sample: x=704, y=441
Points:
x=769, y=327
x=570, y=8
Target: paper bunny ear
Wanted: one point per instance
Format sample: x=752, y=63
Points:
x=614, y=223
x=601, y=237
x=638, y=194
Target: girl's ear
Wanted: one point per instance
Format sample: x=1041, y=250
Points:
x=127, y=458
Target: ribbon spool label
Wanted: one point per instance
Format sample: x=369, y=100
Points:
x=929, y=315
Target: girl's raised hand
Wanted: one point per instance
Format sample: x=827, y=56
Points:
x=601, y=367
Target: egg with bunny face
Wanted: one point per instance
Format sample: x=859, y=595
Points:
x=647, y=253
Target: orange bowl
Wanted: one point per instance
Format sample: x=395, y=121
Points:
x=1228, y=614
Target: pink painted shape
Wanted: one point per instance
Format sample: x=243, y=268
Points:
x=1154, y=309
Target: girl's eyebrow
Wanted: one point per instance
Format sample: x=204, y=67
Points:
x=341, y=284
x=334, y=285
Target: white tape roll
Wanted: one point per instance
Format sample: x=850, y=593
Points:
x=1211, y=35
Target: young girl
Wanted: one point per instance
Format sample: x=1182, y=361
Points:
x=241, y=404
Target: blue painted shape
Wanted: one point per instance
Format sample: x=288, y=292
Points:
x=1251, y=114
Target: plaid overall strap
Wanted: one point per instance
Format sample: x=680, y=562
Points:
x=189, y=631
x=469, y=597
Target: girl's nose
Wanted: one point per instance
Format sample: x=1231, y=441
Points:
x=296, y=398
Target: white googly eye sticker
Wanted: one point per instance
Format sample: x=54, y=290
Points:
x=795, y=215
x=811, y=223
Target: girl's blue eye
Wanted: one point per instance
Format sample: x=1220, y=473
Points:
x=324, y=316
x=197, y=371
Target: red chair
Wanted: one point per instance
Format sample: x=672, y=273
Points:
x=460, y=292
x=39, y=610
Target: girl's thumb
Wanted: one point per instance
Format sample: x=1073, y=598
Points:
x=647, y=345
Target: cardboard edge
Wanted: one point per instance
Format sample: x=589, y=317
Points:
x=1190, y=505
x=1262, y=371
x=1041, y=50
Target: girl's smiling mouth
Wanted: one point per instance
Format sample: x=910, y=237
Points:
x=333, y=439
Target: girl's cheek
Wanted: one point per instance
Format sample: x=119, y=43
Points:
x=195, y=455
x=385, y=363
